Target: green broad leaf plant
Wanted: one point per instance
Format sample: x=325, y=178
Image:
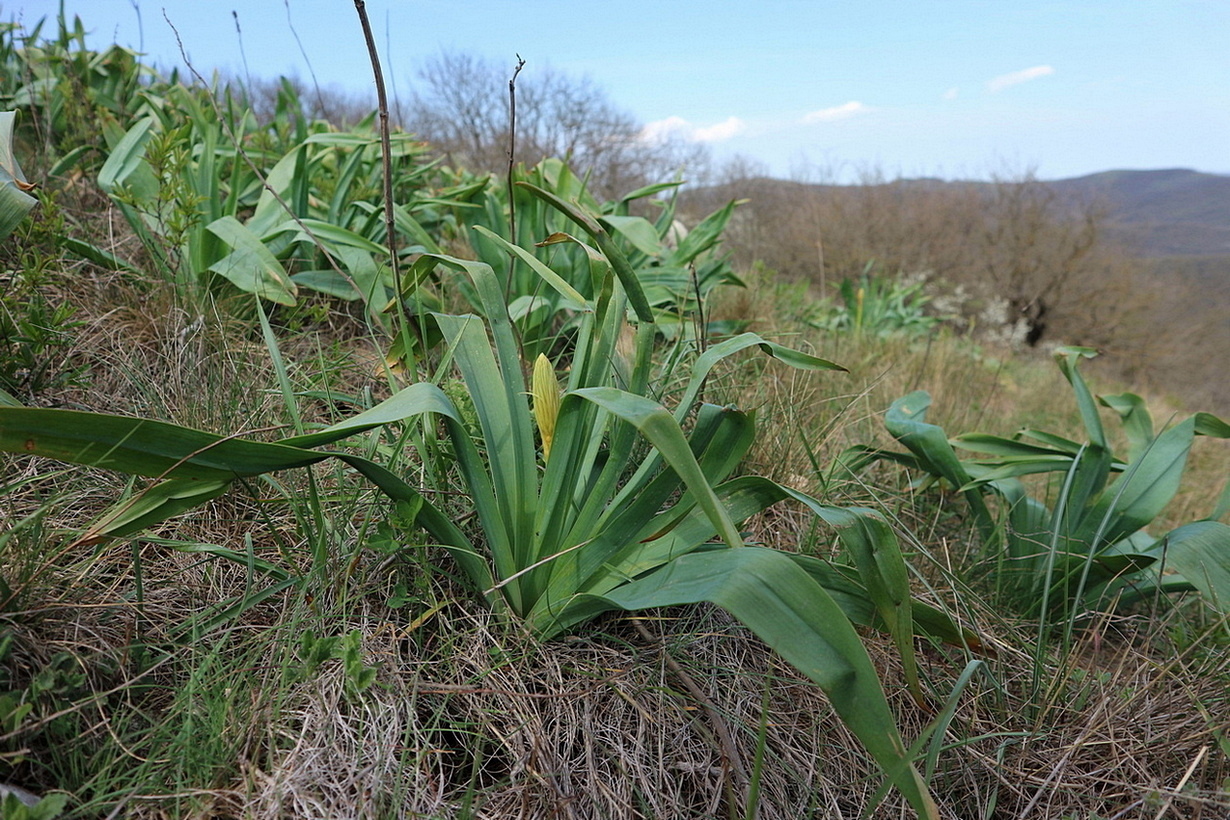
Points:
x=1091, y=548
x=588, y=494
x=676, y=268
x=15, y=201
x=222, y=201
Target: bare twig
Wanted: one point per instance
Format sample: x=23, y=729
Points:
x=320, y=99
x=385, y=142
x=733, y=763
x=512, y=159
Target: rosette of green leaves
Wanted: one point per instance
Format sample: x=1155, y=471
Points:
x=1091, y=547
x=602, y=522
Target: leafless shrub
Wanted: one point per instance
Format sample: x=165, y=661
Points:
x=460, y=105
x=1011, y=259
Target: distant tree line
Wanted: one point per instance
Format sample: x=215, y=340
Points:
x=459, y=104
x=1009, y=258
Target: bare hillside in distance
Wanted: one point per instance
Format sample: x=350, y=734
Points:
x=1135, y=263
x=1171, y=212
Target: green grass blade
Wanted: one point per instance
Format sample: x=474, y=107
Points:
x=140, y=446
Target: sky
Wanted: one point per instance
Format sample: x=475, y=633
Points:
x=811, y=89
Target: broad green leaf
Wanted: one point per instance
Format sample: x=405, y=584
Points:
x=250, y=266
x=331, y=236
x=1000, y=446
x=412, y=401
x=1200, y=551
x=1208, y=424
x=578, y=302
x=1143, y=490
x=905, y=420
x=1137, y=423
x=705, y=235
x=1068, y=358
x=657, y=424
x=598, y=233
x=126, y=163
x=153, y=506
x=328, y=282
x=716, y=353
x=97, y=255
x=15, y=203
x=637, y=230
x=140, y=446
x=649, y=190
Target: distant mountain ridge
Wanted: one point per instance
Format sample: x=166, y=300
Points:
x=1169, y=212
x=1165, y=213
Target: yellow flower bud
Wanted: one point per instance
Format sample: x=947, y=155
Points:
x=546, y=394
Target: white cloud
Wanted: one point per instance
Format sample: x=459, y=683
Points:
x=722, y=131
x=951, y=94
x=679, y=127
x=837, y=112
x=1017, y=77
x=663, y=129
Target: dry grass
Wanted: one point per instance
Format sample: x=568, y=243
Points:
x=470, y=718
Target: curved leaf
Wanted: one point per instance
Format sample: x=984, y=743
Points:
x=1200, y=551
x=771, y=595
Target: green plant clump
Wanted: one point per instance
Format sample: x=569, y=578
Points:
x=877, y=305
x=1090, y=548
x=599, y=523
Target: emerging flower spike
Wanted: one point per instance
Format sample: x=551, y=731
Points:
x=546, y=402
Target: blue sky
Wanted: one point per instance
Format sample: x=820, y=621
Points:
x=819, y=88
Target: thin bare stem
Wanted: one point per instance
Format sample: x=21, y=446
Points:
x=386, y=144
x=512, y=159
x=736, y=774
